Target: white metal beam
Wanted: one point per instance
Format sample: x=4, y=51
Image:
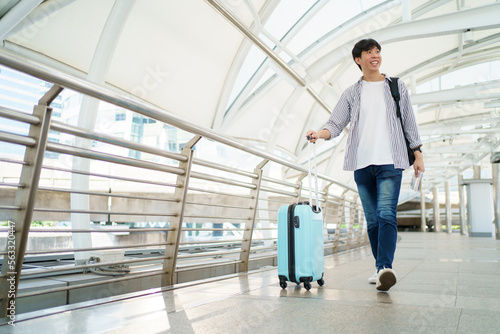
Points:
x=238, y=61
x=480, y=18
x=243, y=102
x=87, y=118
x=225, y=118
x=6, y=5
x=474, y=92
x=40, y=13
x=15, y=15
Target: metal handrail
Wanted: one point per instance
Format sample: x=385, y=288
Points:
x=69, y=230
x=44, y=72
x=218, y=179
x=275, y=191
x=17, y=139
x=129, y=179
x=82, y=133
x=12, y=161
x=71, y=250
x=221, y=205
x=249, y=243
x=281, y=182
x=97, y=212
x=94, y=193
x=224, y=168
x=19, y=116
x=219, y=193
x=89, y=154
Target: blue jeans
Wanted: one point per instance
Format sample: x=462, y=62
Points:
x=378, y=188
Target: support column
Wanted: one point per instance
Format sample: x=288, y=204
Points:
x=495, y=165
x=461, y=199
x=98, y=71
x=25, y=199
x=435, y=201
x=423, y=220
x=448, y=206
x=479, y=205
x=477, y=172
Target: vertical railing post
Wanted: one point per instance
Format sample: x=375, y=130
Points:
x=352, y=218
x=357, y=220
x=249, y=225
x=448, y=206
x=299, y=183
x=461, y=199
x=325, y=208
x=423, y=217
x=363, y=224
x=174, y=235
x=435, y=202
x=17, y=238
x=343, y=219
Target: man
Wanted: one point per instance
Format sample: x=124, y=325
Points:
x=376, y=151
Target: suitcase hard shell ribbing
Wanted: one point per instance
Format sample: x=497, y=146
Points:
x=300, y=245
x=300, y=239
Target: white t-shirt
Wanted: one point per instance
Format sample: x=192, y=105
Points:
x=374, y=146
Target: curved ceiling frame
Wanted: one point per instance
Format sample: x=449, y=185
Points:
x=346, y=26
x=240, y=104
x=242, y=107
x=456, y=57
x=478, y=18
x=246, y=97
x=461, y=57
x=232, y=75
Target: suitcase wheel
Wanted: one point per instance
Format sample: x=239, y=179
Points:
x=307, y=285
x=283, y=284
x=321, y=282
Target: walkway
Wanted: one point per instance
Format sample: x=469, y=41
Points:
x=447, y=284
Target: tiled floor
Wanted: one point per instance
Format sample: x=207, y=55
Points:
x=446, y=284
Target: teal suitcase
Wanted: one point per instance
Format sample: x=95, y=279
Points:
x=300, y=245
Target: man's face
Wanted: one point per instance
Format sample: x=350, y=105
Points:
x=370, y=60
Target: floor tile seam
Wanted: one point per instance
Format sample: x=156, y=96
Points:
x=410, y=271
x=459, y=319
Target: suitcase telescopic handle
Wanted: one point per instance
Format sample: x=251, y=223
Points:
x=318, y=208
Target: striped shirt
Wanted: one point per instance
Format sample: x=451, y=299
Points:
x=347, y=110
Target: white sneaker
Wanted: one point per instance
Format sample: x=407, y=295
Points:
x=373, y=279
x=386, y=279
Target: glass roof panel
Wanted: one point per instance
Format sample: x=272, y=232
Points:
x=286, y=14
x=253, y=61
x=333, y=14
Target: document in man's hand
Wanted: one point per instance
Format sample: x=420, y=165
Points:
x=416, y=181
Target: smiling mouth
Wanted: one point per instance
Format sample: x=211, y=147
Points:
x=374, y=62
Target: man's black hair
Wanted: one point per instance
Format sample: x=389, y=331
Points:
x=364, y=45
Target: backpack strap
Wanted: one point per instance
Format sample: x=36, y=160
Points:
x=393, y=83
